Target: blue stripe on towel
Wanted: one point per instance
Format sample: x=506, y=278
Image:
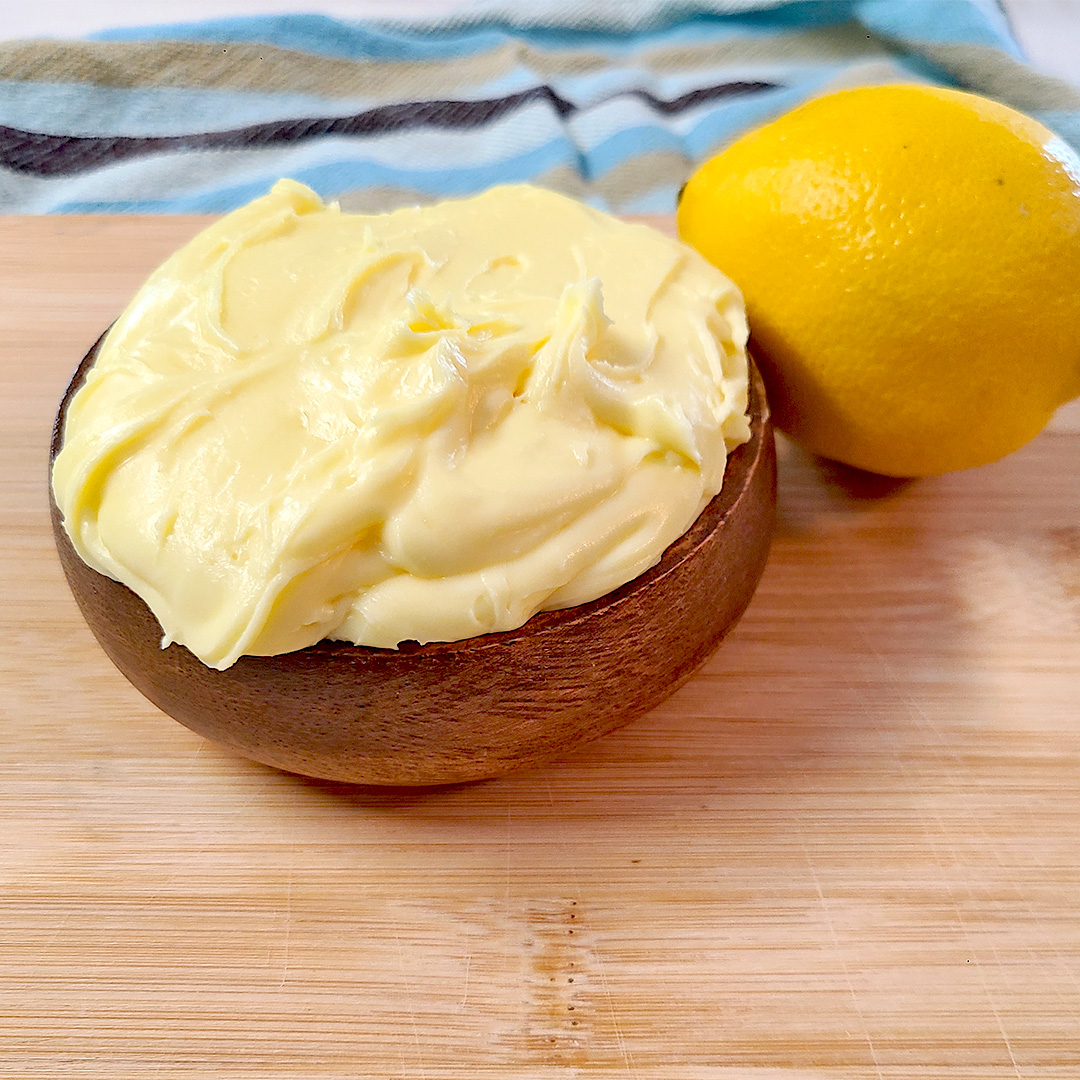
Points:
x=930, y=20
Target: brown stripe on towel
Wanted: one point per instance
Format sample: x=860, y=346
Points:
x=269, y=69
x=992, y=72
x=262, y=68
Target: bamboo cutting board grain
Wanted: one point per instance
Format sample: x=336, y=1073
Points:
x=849, y=847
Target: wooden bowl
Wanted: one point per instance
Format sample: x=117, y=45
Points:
x=461, y=710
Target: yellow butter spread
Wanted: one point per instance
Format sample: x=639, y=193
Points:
x=425, y=425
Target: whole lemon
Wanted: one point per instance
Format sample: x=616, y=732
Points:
x=910, y=258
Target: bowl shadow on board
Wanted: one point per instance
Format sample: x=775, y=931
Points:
x=677, y=755
x=858, y=484
x=841, y=663
x=458, y=711
x=714, y=736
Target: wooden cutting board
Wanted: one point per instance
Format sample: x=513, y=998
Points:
x=849, y=847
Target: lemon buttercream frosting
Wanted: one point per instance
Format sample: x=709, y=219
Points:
x=422, y=425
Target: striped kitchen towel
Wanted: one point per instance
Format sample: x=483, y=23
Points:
x=613, y=101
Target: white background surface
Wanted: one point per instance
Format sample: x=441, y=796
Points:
x=1048, y=30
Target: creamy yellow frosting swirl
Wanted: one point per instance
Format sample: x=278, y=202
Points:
x=427, y=425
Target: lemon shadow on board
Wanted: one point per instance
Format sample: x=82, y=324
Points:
x=811, y=489
x=858, y=484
